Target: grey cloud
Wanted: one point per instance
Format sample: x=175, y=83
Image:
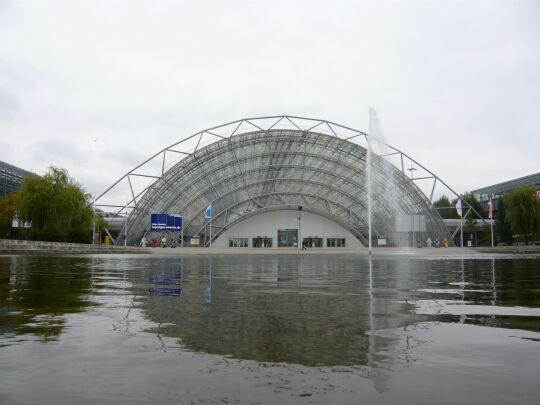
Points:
x=56, y=152
x=452, y=81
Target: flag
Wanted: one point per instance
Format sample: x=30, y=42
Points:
x=458, y=208
x=490, y=205
x=208, y=213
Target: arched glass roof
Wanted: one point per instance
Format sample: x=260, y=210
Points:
x=258, y=165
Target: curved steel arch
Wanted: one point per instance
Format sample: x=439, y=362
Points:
x=323, y=187
x=329, y=140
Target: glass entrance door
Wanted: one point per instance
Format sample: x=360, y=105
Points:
x=287, y=237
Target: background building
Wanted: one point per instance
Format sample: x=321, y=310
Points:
x=11, y=178
x=499, y=190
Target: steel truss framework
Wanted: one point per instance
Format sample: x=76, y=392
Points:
x=257, y=165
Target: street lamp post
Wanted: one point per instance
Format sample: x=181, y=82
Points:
x=126, y=225
x=300, y=209
x=93, y=221
x=299, y=231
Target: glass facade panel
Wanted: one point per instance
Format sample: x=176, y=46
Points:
x=287, y=237
x=238, y=242
x=335, y=242
x=313, y=242
x=262, y=242
x=11, y=178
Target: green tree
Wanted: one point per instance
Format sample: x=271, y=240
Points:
x=473, y=202
x=483, y=237
x=57, y=207
x=470, y=223
x=502, y=226
x=523, y=212
x=8, y=210
x=100, y=224
x=445, y=208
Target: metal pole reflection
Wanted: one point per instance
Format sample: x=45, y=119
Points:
x=371, y=339
x=462, y=316
x=208, y=288
x=494, y=290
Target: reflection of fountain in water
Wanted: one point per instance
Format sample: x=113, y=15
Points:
x=371, y=345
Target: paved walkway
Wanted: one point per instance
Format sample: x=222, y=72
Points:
x=15, y=247
x=291, y=251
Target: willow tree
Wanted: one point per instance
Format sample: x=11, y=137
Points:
x=523, y=212
x=8, y=212
x=502, y=227
x=56, y=206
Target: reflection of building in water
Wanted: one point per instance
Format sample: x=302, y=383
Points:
x=284, y=309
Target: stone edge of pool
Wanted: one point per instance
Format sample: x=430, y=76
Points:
x=19, y=247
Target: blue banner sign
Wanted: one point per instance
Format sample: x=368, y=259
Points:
x=165, y=222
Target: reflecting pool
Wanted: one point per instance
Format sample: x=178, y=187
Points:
x=267, y=329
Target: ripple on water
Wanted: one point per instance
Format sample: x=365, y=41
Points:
x=329, y=329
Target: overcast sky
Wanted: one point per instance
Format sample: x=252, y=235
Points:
x=97, y=86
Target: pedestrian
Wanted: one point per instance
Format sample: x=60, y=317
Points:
x=143, y=242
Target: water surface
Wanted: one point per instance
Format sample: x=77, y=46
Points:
x=264, y=329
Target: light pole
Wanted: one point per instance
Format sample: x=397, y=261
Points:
x=300, y=209
x=412, y=169
x=94, y=221
x=182, y=229
x=299, y=231
x=490, y=215
x=126, y=225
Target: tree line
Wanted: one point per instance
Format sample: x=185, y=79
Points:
x=55, y=207
x=58, y=209
x=517, y=219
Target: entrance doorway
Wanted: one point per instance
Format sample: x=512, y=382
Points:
x=287, y=237
x=315, y=242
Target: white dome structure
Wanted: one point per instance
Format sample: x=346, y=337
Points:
x=280, y=181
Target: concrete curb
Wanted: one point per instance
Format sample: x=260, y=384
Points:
x=24, y=247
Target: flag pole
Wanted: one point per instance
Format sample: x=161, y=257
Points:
x=461, y=218
x=182, y=230
x=126, y=225
x=491, y=232
x=368, y=164
x=461, y=229
x=208, y=215
x=490, y=204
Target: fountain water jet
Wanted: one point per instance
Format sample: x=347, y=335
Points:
x=376, y=164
